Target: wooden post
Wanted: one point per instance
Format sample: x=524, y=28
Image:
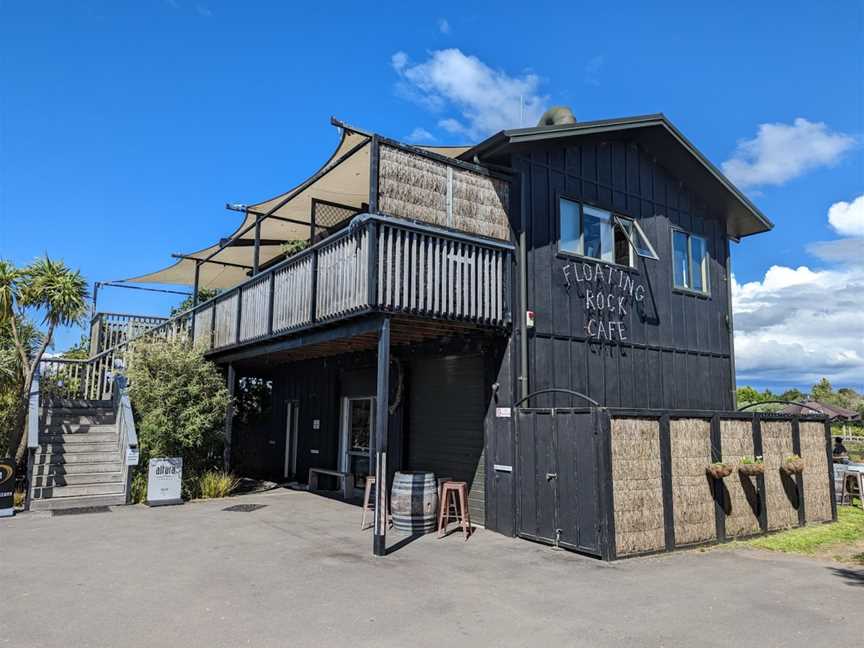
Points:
x=195, y=285
x=378, y=447
x=257, y=255
x=229, y=417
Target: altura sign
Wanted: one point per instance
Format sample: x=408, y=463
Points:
x=608, y=296
x=7, y=487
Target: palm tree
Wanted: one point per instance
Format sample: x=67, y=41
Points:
x=48, y=289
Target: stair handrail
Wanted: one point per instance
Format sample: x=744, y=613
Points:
x=33, y=406
x=127, y=436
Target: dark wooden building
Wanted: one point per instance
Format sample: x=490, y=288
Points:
x=481, y=313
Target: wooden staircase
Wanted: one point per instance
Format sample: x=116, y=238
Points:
x=79, y=461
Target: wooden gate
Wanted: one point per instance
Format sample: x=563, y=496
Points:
x=560, y=460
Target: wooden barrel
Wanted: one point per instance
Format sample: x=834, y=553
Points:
x=414, y=502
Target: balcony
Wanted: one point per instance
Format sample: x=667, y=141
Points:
x=377, y=265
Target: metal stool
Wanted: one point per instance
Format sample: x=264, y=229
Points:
x=368, y=504
x=455, y=495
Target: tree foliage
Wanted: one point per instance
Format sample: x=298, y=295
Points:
x=204, y=294
x=45, y=289
x=180, y=401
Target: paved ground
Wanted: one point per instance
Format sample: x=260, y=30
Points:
x=299, y=573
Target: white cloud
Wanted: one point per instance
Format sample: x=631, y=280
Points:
x=420, y=135
x=799, y=324
x=203, y=10
x=848, y=218
x=781, y=152
x=486, y=100
x=443, y=26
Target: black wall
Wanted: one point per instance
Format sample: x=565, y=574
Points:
x=677, y=354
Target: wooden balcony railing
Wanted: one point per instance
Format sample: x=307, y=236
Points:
x=379, y=264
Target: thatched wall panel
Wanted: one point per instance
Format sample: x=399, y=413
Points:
x=637, y=486
x=736, y=440
x=817, y=490
x=413, y=186
x=781, y=494
x=692, y=489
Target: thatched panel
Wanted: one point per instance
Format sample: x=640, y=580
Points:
x=480, y=204
x=741, y=497
x=817, y=488
x=416, y=187
x=692, y=489
x=637, y=486
x=781, y=492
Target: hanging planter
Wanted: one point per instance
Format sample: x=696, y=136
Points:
x=751, y=466
x=793, y=465
x=719, y=470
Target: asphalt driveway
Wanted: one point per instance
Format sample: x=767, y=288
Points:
x=299, y=572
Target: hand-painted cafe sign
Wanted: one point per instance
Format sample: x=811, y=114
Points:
x=608, y=294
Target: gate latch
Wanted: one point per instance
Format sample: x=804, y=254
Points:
x=556, y=545
x=551, y=476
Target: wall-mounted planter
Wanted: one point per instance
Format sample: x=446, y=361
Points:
x=751, y=469
x=719, y=470
x=793, y=466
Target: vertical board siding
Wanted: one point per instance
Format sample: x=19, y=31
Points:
x=203, y=327
x=637, y=486
x=692, y=488
x=817, y=472
x=781, y=497
x=741, y=496
x=687, y=334
x=292, y=296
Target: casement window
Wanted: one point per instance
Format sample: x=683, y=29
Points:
x=598, y=234
x=689, y=261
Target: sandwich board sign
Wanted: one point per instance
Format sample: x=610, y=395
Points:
x=164, y=476
x=7, y=487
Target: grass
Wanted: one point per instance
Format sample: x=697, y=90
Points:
x=216, y=483
x=843, y=540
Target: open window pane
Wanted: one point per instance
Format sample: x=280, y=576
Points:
x=597, y=235
x=698, y=264
x=570, y=230
x=680, y=260
x=623, y=248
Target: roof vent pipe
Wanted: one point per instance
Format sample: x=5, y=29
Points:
x=556, y=116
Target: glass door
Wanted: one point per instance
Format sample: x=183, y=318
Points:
x=357, y=430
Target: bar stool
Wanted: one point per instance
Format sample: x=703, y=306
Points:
x=455, y=498
x=369, y=504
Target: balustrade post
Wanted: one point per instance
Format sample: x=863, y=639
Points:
x=372, y=269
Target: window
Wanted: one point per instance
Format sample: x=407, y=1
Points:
x=689, y=261
x=598, y=234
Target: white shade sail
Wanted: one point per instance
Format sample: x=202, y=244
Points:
x=343, y=179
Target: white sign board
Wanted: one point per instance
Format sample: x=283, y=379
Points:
x=502, y=412
x=163, y=481
x=132, y=456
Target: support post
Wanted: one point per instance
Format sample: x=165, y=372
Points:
x=378, y=447
x=195, y=285
x=229, y=417
x=257, y=255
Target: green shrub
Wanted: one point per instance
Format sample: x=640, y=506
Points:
x=138, y=489
x=751, y=460
x=216, y=483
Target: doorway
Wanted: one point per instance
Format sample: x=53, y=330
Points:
x=292, y=417
x=358, y=419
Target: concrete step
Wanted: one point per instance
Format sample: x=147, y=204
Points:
x=79, y=428
x=59, y=469
x=71, y=457
x=78, y=490
x=73, y=438
x=76, y=479
x=55, y=503
x=73, y=448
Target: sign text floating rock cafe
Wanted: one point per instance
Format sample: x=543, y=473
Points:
x=609, y=294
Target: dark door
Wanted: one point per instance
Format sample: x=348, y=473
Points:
x=558, y=458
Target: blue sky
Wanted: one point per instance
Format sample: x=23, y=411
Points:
x=126, y=126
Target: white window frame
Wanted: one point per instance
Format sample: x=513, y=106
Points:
x=624, y=223
x=706, y=284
